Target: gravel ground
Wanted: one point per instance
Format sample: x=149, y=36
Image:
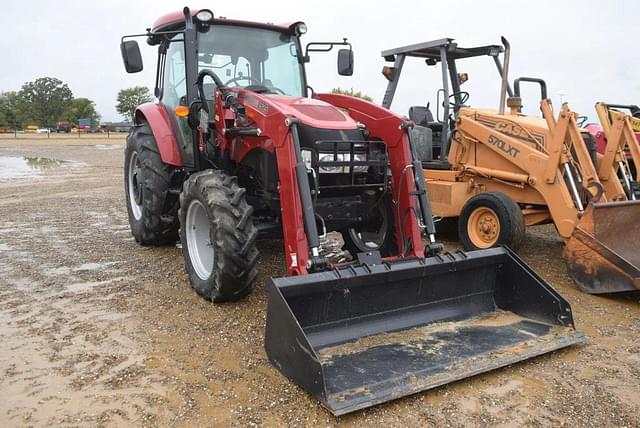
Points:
x=96, y=330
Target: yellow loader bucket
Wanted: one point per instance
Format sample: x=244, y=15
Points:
x=602, y=254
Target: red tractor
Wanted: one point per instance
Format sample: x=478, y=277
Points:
x=239, y=147
x=620, y=123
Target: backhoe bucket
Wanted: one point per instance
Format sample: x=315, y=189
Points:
x=362, y=335
x=603, y=253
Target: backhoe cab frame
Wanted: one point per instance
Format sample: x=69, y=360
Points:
x=446, y=52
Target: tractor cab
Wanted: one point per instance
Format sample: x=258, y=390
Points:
x=432, y=133
x=199, y=54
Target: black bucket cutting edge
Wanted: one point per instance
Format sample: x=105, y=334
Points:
x=362, y=335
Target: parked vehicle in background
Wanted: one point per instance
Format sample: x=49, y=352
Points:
x=619, y=123
x=63, y=126
x=498, y=172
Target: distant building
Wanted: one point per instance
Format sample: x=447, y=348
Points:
x=115, y=126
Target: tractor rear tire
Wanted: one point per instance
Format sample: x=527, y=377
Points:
x=218, y=236
x=491, y=219
x=152, y=207
x=380, y=221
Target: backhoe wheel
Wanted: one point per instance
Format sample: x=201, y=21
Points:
x=151, y=206
x=491, y=219
x=218, y=236
x=376, y=232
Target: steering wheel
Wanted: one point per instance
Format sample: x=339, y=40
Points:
x=256, y=86
x=581, y=121
x=464, y=98
x=247, y=78
x=264, y=89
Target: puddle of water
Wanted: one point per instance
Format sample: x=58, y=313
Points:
x=20, y=167
x=108, y=146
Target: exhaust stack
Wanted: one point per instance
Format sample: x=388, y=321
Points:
x=505, y=74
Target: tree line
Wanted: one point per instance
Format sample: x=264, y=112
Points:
x=43, y=102
x=47, y=100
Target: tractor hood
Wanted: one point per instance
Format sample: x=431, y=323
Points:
x=310, y=111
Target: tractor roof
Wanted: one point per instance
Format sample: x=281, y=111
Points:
x=431, y=50
x=173, y=20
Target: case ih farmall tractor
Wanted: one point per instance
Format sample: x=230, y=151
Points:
x=239, y=147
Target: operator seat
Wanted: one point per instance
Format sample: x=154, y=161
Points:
x=421, y=115
x=426, y=133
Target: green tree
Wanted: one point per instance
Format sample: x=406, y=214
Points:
x=351, y=93
x=130, y=98
x=9, y=114
x=3, y=113
x=43, y=101
x=81, y=108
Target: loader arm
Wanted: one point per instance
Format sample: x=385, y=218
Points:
x=389, y=127
x=542, y=171
x=619, y=132
x=565, y=135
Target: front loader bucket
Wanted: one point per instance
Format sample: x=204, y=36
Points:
x=359, y=336
x=602, y=254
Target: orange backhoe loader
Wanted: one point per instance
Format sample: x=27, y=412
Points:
x=498, y=172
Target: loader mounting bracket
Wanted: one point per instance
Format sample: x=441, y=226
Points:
x=317, y=264
x=370, y=258
x=433, y=249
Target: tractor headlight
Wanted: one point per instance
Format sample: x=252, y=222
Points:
x=298, y=28
x=341, y=157
x=204, y=16
x=307, y=157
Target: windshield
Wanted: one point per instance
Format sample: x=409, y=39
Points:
x=262, y=60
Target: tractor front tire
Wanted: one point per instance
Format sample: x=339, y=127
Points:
x=152, y=207
x=490, y=219
x=218, y=236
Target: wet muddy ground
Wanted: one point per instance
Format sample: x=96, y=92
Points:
x=96, y=330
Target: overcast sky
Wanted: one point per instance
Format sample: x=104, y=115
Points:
x=586, y=49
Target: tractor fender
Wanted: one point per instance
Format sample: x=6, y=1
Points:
x=158, y=119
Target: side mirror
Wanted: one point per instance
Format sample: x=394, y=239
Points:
x=131, y=56
x=345, y=62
